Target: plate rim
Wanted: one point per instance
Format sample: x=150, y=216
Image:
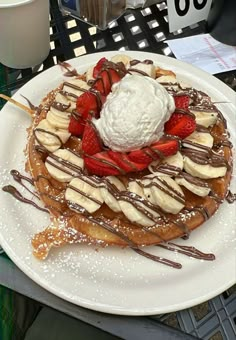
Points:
x=98, y=306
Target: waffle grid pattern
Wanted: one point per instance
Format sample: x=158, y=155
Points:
x=145, y=29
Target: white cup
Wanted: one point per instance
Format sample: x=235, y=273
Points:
x=24, y=32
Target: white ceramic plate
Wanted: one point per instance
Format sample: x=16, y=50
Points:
x=114, y=280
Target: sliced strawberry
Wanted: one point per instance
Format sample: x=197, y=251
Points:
x=141, y=156
x=91, y=142
x=160, y=149
x=173, y=121
x=87, y=103
x=98, y=67
x=105, y=80
x=107, y=84
x=181, y=102
x=101, y=164
x=125, y=163
x=165, y=147
x=114, y=76
x=182, y=128
x=99, y=86
x=76, y=126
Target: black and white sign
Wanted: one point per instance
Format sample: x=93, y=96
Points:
x=184, y=13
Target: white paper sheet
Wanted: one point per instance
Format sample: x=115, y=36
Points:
x=204, y=52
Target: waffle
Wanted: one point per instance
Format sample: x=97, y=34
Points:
x=106, y=227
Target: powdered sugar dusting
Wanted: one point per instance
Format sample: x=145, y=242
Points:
x=107, y=279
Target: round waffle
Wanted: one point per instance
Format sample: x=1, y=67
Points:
x=106, y=227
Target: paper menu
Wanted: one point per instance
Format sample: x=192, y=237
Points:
x=204, y=52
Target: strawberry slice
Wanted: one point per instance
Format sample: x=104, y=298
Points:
x=160, y=149
x=125, y=163
x=87, y=104
x=101, y=164
x=181, y=102
x=173, y=121
x=165, y=148
x=105, y=80
x=179, y=126
x=99, y=86
x=91, y=142
x=98, y=67
x=142, y=156
x=76, y=126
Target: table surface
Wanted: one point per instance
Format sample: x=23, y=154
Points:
x=144, y=30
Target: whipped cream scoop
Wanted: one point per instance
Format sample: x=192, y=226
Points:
x=134, y=113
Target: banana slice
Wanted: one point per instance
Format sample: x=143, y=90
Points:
x=164, y=192
x=170, y=166
x=85, y=192
x=202, y=138
x=58, y=119
x=136, y=188
x=204, y=118
x=89, y=74
x=149, y=69
x=193, y=184
x=63, y=165
x=205, y=171
x=136, y=208
x=121, y=58
x=109, y=192
x=50, y=137
x=66, y=100
x=168, y=79
x=74, y=85
x=175, y=160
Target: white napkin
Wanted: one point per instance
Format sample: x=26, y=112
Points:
x=204, y=52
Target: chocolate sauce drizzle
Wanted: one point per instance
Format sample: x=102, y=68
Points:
x=200, y=155
x=70, y=71
x=21, y=178
x=46, y=132
x=187, y=250
x=130, y=243
x=230, y=197
x=15, y=193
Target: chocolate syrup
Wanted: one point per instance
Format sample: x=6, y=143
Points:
x=230, y=197
x=121, y=235
x=15, y=193
x=70, y=71
x=31, y=105
x=146, y=61
x=63, y=165
x=60, y=107
x=68, y=94
x=162, y=185
x=136, y=70
x=187, y=250
x=107, y=67
x=47, y=132
x=200, y=101
x=194, y=180
x=21, y=178
x=203, y=155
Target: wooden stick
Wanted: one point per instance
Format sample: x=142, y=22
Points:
x=13, y=101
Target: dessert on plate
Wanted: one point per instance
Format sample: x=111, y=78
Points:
x=126, y=155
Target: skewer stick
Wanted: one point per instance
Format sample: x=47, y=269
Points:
x=13, y=101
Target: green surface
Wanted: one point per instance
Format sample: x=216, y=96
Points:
x=6, y=314
x=6, y=311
